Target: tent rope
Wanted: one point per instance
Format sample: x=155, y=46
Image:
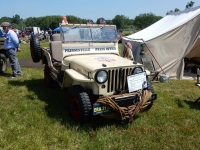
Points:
x=154, y=57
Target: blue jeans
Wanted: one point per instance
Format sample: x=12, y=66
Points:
x=16, y=70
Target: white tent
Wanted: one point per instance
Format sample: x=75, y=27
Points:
x=169, y=41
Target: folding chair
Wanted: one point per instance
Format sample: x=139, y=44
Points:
x=149, y=65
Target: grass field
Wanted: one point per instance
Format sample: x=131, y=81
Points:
x=34, y=117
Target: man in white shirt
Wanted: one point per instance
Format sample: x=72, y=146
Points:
x=11, y=46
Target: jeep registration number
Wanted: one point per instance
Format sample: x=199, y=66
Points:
x=99, y=109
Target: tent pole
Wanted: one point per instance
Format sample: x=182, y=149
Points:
x=150, y=52
x=153, y=56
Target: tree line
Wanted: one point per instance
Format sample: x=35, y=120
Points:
x=188, y=6
x=122, y=22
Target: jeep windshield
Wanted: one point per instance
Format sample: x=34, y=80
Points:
x=97, y=34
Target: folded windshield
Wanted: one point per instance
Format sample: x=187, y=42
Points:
x=89, y=34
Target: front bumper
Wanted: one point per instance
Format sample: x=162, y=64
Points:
x=123, y=101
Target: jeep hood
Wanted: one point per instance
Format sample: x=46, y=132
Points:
x=94, y=62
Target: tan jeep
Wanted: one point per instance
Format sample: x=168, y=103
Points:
x=84, y=58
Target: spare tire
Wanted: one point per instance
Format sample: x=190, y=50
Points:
x=35, y=49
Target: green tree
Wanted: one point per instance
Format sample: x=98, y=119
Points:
x=107, y=21
x=43, y=22
x=84, y=21
x=144, y=20
x=16, y=19
x=189, y=5
x=120, y=21
x=98, y=21
x=176, y=10
x=5, y=19
x=74, y=19
x=171, y=11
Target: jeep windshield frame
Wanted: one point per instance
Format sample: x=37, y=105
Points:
x=89, y=33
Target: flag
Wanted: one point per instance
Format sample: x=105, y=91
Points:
x=102, y=21
x=89, y=21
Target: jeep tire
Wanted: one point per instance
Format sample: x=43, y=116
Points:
x=35, y=49
x=149, y=88
x=3, y=63
x=79, y=105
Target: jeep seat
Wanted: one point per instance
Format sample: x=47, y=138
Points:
x=56, y=51
x=56, y=37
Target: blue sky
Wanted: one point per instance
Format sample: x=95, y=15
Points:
x=90, y=9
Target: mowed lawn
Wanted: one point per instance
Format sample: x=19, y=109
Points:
x=34, y=117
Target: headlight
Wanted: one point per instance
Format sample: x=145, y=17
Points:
x=101, y=76
x=137, y=70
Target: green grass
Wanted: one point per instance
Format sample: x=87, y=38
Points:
x=120, y=49
x=35, y=117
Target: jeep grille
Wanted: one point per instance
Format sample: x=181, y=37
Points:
x=117, y=79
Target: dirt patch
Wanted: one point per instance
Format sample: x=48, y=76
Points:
x=27, y=62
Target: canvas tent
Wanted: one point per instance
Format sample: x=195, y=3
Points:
x=169, y=41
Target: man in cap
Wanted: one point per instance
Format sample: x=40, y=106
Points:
x=11, y=46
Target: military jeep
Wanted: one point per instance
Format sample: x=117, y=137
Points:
x=3, y=56
x=84, y=59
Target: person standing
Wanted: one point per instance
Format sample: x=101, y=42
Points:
x=11, y=46
x=127, y=53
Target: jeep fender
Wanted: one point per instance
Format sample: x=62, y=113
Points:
x=48, y=57
x=72, y=77
x=75, y=75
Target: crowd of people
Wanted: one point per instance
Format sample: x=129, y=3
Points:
x=42, y=35
x=46, y=35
